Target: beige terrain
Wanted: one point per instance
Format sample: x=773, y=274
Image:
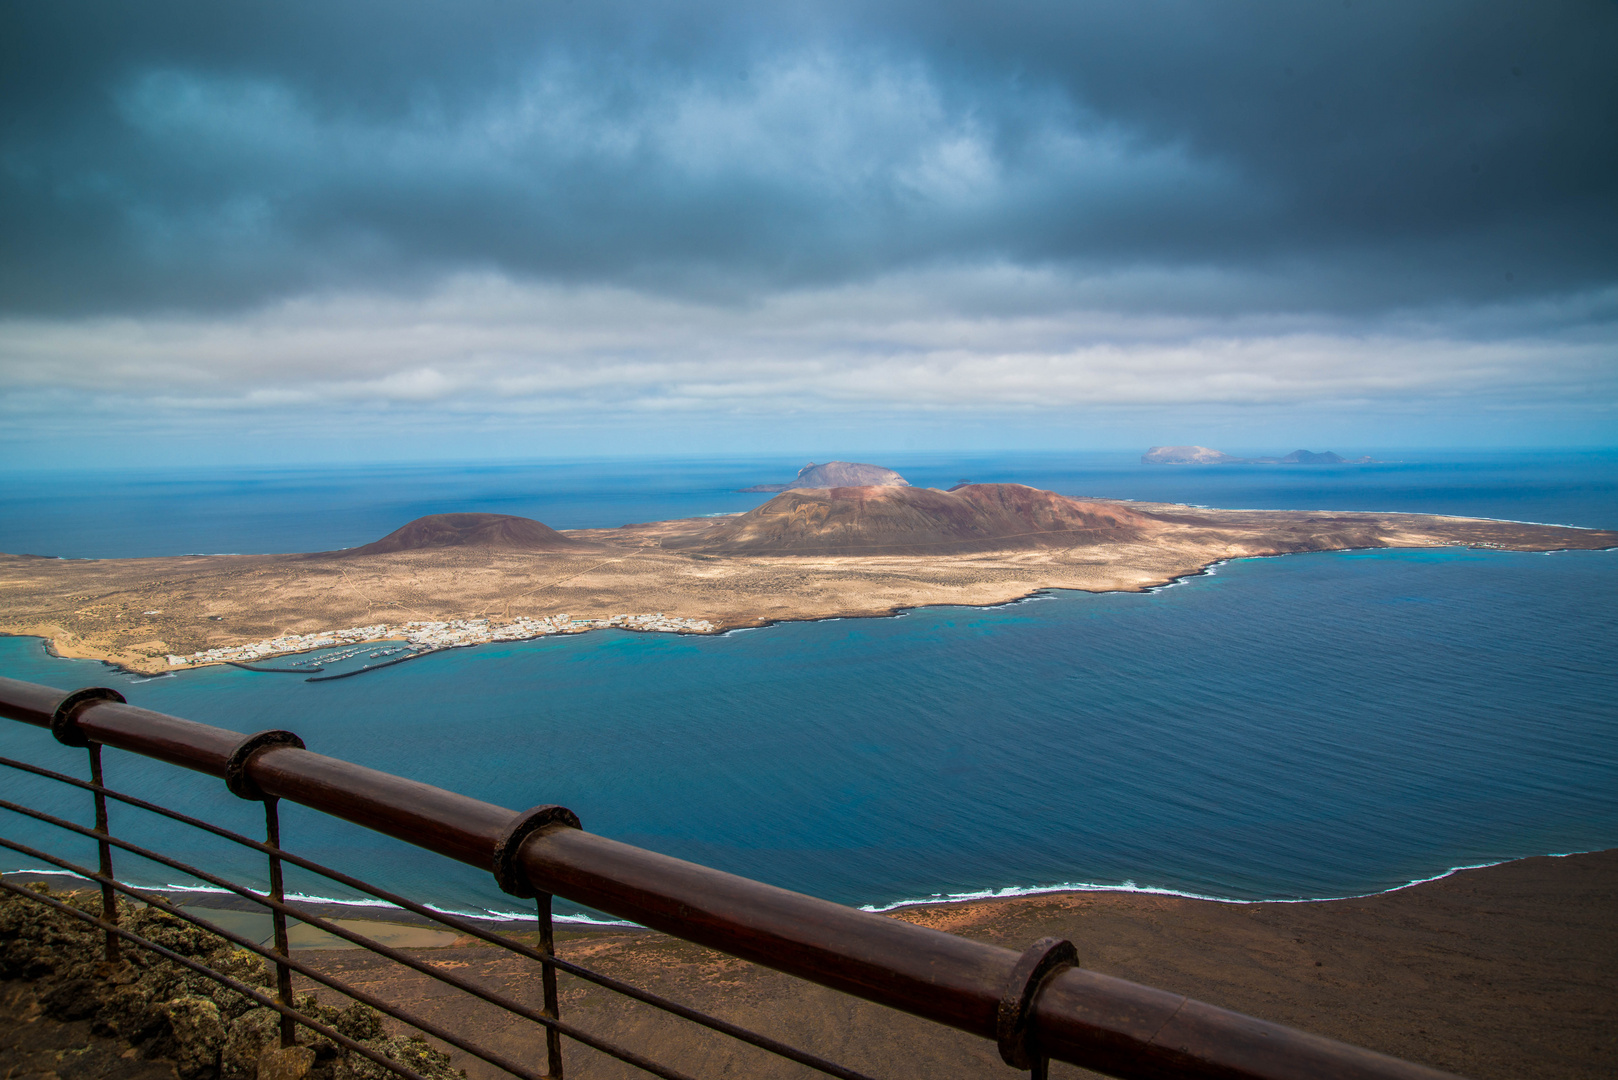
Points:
x=805, y=554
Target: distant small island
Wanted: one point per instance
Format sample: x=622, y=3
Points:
x=1202, y=455
x=836, y=474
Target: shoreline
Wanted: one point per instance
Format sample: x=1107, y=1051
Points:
x=1017, y=892
x=721, y=629
x=1492, y=973
x=149, y=616
x=330, y=907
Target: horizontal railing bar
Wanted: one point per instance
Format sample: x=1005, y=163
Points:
x=657, y=1001
x=258, y=845
x=1082, y=1017
x=241, y=988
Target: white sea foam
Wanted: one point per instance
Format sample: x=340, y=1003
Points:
x=1008, y=892
x=1207, y=571
x=485, y=914
x=1041, y=595
x=1013, y=891
x=31, y=870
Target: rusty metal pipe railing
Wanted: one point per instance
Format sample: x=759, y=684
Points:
x=1081, y=1017
x=451, y=922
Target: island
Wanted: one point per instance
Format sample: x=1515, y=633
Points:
x=836, y=474
x=809, y=553
x=1202, y=455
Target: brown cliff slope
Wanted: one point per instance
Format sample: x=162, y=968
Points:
x=494, y=532
x=918, y=521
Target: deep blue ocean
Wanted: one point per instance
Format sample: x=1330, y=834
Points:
x=1293, y=728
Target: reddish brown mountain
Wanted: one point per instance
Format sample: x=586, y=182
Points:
x=918, y=521
x=495, y=532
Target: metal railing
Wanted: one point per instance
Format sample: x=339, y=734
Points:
x=1036, y=1006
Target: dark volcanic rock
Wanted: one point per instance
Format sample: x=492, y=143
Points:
x=496, y=532
x=166, y=1011
x=917, y=521
x=35, y=1046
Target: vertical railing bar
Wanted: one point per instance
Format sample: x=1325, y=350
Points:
x=552, y=1007
x=656, y=1001
x=219, y=977
x=397, y=1012
x=109, y=899
x=283, y=974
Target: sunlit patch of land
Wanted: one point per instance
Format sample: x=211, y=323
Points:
x=806, y=554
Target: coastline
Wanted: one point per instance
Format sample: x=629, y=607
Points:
x=1493, y=973
x=331, y=907
x=715, y=627
x=150, y=616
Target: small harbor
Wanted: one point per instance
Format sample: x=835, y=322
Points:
x=385, y=642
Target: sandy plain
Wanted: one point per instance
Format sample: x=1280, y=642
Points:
x=133, y=612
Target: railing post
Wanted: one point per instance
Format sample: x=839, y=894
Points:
x=514, y=881
x=552, y=1008
x=1013, y=1031
x=109, y=898
x=64, y=725
x=283, y=974
x=242, y=786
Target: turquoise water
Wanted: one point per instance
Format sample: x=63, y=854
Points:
x=1302, y=727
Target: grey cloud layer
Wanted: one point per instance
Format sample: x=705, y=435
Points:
x=482, y=346
x=1298, y=157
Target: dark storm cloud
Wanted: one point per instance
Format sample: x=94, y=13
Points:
x=1344, y=157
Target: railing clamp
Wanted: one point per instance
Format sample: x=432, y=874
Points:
x=65, y=722
x=1044, y=958
x=236, y=779
x=511, y=878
